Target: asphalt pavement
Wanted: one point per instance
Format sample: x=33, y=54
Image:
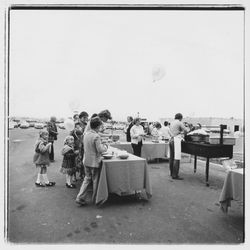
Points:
x=179, y=212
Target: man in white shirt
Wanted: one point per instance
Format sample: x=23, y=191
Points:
x=137, y=133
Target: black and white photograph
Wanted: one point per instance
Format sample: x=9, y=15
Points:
x=124, y=123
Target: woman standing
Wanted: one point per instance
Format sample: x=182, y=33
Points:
x=157, y=132
x=128, y=128
x=52, y=130
x=137, y=134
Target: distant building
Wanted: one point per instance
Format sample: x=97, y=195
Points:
x=232, y=124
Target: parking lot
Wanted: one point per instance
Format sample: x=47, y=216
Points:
x=179, y=212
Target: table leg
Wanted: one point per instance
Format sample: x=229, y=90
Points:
x=195, y=163
x=207, y=171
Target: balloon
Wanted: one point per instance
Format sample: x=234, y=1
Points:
x=158, y=73
x=74, y=105
x=69, y=125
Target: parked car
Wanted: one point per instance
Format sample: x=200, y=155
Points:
x=39, y=125
x=32, y=124
x=108, y=126
x=61, y=126
x=24, y=124
x=13, y=124
x=119, y=126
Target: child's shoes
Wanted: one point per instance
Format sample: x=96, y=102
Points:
x=70, y=185
x=50, y=184
x=40, y=184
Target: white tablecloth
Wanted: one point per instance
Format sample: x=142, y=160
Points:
x=150, y=150
x=232, y=188
x=123, y=177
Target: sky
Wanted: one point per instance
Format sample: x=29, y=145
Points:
x=155, y=63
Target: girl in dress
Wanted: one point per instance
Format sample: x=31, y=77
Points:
x=42, y=160
x=69, y=165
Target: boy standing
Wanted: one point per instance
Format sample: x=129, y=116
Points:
x=93, y=148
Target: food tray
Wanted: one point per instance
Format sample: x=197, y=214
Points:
x=197, y=138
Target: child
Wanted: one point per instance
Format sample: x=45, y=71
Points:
x=92, y=159
x=77, y=133
x=68, y=165
x=42, y=160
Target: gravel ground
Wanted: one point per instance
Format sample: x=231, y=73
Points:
x=180, y=212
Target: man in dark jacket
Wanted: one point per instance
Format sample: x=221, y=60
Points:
x=130, y=124
x=52, y=129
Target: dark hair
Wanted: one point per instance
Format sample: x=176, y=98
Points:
x=106, y=114
x=178, y=116
x=75, y=115
x=83, y=114
x=165, y=123
x=95, y=122
x=157, y=125
x=130, y=118
x=94, y=115
x=53, y=119
x=137, y=119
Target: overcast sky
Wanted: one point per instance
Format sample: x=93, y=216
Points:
x=106, y=59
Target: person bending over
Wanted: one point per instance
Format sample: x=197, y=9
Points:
x=93, y=148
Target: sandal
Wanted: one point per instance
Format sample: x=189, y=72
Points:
x=40, y=184
x=50, y=184
x=70, y=186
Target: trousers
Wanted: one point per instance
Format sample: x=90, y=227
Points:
x=91, y=176
x=174, y=165
x=51, y=154
x=137, y=148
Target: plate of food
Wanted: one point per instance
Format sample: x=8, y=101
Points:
x=155, y=141
x=107, y=156
x=123, y=156
x=106, y=153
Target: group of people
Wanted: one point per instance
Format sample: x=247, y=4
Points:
x=154, y=129
x=81, y=152
x=174, y=132
x=135, y=133
x=83, y=148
